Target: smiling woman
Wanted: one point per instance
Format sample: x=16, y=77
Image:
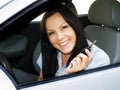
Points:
x=62, y=40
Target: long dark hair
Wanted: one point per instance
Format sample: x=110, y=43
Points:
x=49, y=53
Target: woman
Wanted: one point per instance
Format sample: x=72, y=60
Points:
x=62, y=40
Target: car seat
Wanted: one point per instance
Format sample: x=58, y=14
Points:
x=12, y=47
x=25, y=77
x=105, y=14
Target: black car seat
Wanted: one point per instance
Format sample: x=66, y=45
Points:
x=12, y=47
x=105, y=14
x=25, y=77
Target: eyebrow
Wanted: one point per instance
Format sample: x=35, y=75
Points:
x=50, y=30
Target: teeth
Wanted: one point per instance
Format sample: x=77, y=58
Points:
x=64, y=43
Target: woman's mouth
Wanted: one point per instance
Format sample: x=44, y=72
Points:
x=63, y=43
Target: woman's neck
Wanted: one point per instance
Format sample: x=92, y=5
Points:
x=65, y=59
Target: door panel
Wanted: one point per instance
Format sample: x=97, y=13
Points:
x=107, y=79
x=6, y=81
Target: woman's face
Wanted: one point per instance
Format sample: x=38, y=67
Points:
x=60, y=33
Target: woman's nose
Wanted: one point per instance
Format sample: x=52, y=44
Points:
x=60, y=35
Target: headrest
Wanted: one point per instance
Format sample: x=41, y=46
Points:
x=106, y=12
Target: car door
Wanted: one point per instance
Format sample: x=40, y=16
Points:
x=6, y=81
x=105, y=78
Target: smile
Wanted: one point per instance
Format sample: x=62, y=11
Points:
x=63, y=43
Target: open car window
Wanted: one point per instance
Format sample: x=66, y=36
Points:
x=22, y=63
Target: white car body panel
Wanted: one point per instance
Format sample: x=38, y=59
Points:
x=5, y=82
x=102, y=80
x=21, y=4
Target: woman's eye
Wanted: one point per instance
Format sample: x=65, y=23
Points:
x=64, y=27
x=50, y=33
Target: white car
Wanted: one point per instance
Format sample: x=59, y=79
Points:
x=20, y=36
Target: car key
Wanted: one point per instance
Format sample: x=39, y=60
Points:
x=83, y=50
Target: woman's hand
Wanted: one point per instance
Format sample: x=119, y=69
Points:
x=79, y=63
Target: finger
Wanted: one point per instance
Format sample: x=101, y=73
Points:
x=74, y=63
x=83, y=62
x=85, y=59
x=89, y=54
x=68, y=69
x=72, y=67
x=78, y=60
x=82, y=56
